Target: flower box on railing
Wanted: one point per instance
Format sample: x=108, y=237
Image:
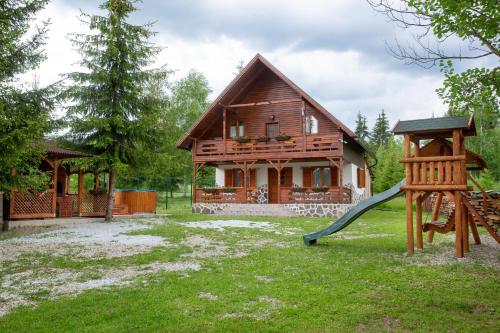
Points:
x=211, y=190
x=243, y=139
x=262, y=139
x=298, y=189
x=282, y=137
x=228, y=190
x=320, y=189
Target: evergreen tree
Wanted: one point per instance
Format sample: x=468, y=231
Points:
x=388, y=170
x=361, y=128
x=111, y=109
x=380, y=133
x=24, y=110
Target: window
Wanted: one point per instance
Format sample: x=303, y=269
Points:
x=311, y=125
x=236, y=130
x=232, y=132
x=272, y=130
x=321, y=177
x=237, y=178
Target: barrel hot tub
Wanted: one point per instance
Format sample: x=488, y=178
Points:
x=134, y=201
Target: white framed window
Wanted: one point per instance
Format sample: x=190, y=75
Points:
x=232, y=132
x=311, y=125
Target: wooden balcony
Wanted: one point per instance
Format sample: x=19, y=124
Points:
x=296, y=147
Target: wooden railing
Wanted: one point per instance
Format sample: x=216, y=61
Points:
x=309, y=195
x=311, y=143
x=32, y=204
x=237, y=195
x=437, y=172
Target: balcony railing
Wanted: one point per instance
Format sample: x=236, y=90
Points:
x=310, y=143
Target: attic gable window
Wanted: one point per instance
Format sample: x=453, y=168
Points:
x=311, y=125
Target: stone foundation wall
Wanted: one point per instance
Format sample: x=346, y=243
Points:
x=275, y=210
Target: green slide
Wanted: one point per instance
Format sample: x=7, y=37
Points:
x=355, y=212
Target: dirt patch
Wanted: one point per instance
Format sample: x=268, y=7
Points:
x=206, y=295
x=204, y=247
x=86, y=240
x=486, y=254
x=220, y=225
x=260, y=309
x=27, y=287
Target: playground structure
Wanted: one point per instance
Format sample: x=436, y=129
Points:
x=438, y=166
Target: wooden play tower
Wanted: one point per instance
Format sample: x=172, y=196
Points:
x=436, y=161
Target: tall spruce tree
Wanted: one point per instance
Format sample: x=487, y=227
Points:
x=380, y=133
x=111, y=110
x=24, y=109
x=361, y=131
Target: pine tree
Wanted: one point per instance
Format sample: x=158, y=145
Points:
x=111, y=111
x=380, y=133
x=361, y=128
x=24, y=110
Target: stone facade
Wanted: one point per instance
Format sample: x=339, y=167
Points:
x=275, y=210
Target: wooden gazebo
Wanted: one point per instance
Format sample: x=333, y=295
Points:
x=440, y=166
x=57, y=200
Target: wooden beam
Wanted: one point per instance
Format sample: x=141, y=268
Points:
x=420, y=243
x=80, y=192
x=409, y=208
x=54, y=197
x=459, y=251
x=432, y=159
x=473, y=229
x=278, y=101
x=450, y=187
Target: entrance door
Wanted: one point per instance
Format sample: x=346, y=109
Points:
x=272, y=181
x=272, y=185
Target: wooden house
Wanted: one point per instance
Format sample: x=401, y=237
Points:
x=271, y=143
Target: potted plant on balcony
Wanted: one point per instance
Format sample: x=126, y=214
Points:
x=211, y=190
x=320, y=189
x=262, y=139
x=298, y=189
x=243, y=139
x=283, y=136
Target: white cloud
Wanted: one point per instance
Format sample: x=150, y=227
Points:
x=344, y=80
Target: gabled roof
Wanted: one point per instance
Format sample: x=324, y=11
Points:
x=436, y=125
x=56, y=151
x=249, y=73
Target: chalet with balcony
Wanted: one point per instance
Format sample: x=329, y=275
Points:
x=271, y=143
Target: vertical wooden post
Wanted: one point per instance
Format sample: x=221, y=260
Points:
x=465, y=228
x=459, y=252
x=80, y=192
x=409, y=208
x=54, y=194
x=245, y=183
x=3, y=223
x=420, y=242
x=279, y=181
x=195, y=169
x=303, y=125
x=224, y=128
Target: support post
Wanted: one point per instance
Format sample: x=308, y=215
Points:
x=80, y=192
x=279, y=181
x=465, y=228
x=195, y=170
x=224, y=128
x=54, y=194
x=459, y=251
x=409, y=208
x=420, y=243
x=3, y=223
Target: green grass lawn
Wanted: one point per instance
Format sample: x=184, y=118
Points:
x=268, y=281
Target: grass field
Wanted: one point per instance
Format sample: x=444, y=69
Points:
x=263, y=279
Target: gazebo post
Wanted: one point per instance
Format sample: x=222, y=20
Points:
x=54, y=194
x=80, y=192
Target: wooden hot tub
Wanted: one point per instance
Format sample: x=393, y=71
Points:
x=131, y=202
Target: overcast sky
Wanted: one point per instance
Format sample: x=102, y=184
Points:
x=334, y=50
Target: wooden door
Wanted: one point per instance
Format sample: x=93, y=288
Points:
x=272, y=185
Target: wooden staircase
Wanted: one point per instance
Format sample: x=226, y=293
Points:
x=485, y=210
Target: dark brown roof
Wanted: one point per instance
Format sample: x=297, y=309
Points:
x=251, y=71
x=56, y=151
x=435, y=125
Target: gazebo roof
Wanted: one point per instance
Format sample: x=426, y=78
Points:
x=55, y=151
x=441, y=125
